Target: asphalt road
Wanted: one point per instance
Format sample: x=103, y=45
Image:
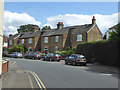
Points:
x=59, y=75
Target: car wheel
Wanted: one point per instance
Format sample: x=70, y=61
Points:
x=85, y=64
x=66, y=62
x=74, y=64
x=50, y=59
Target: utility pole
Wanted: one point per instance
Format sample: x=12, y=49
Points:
x=1, y=31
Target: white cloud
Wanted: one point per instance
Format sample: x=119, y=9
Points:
x=103, y=21
x=12, y=21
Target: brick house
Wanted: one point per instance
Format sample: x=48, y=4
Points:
x=30, y=40
x=62, y=37
x=14, y=40
x=5, y=43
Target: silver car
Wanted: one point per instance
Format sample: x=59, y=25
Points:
x=16, y=55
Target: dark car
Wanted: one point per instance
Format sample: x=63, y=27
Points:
x=32, y=55
x=16, y=55
x=76, y=59
x=52, y=57
x=5, y=54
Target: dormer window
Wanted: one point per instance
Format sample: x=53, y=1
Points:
x=30, y=40
x=56, y=38
x=46, y=40
x=22, y=41
x=79, y=37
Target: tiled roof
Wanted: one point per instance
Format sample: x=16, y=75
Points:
x=77, y=29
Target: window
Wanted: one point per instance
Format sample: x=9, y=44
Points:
x=79, y=37
x=30, y=40
x=22, y=41
x=45, y=48
x=56, y=38
x=56, y=49
x=10, y=42
x=46, y=40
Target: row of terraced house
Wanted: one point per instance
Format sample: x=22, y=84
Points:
x=57, y=39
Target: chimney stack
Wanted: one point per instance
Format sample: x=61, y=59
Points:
x=10, y=35
x=60, y=25
x=36, y=28
x=93, y=20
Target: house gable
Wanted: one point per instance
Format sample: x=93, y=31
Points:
x=94, y=34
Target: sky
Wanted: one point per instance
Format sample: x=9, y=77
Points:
x=50, y=13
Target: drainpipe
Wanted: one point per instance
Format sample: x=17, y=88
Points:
x=1, y=32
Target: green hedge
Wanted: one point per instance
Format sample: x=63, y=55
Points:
x=103, y=52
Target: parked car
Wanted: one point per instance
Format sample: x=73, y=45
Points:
x=32, y=55
x=5, y=54
x=52, y=57
x=76, y=59
x=16, y=55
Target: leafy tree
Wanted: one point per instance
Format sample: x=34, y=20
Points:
x=115, y=35
x=104, y=37
x=46, y=28
x=26, y=28
x=17, y=48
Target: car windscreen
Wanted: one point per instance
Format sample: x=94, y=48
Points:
x=57, y=55
x=80, y=57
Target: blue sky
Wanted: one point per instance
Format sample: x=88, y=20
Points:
x=41, y=10
x=49, y=12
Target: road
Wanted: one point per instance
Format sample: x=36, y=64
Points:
x=59, y=75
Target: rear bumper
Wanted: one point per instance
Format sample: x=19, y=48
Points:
x=81, y=62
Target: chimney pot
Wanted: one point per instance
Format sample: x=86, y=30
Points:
x=93, y=20
x=60, y=25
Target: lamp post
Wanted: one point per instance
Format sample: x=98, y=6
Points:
x=1, y=32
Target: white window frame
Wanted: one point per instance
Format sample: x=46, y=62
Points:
x=79, y=37
x=45, y=48
x=45, y=39
x=22, y=41
x=10, y=42
x=56, y=38
x=56, y=48
x=30, y=40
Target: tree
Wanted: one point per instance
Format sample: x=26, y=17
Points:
x=115, y=35
x=17, y=48
x=46, y=28
x=26, y=28
x=104, y=37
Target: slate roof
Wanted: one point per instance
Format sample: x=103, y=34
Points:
x=15, y=36
x=113, y=27
x=30, y=34
x=77, y=29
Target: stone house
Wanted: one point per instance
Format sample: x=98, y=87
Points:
x=62, y=37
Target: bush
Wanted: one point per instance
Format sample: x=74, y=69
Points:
x=17, y=48
x=104, y=52
x=67, y=52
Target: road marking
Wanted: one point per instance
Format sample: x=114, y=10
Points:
x=106, y=74
x=30, y=81
x=39, y=82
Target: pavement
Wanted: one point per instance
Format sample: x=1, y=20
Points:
x=15, y=78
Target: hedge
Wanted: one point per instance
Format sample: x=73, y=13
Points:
x=103, y=52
